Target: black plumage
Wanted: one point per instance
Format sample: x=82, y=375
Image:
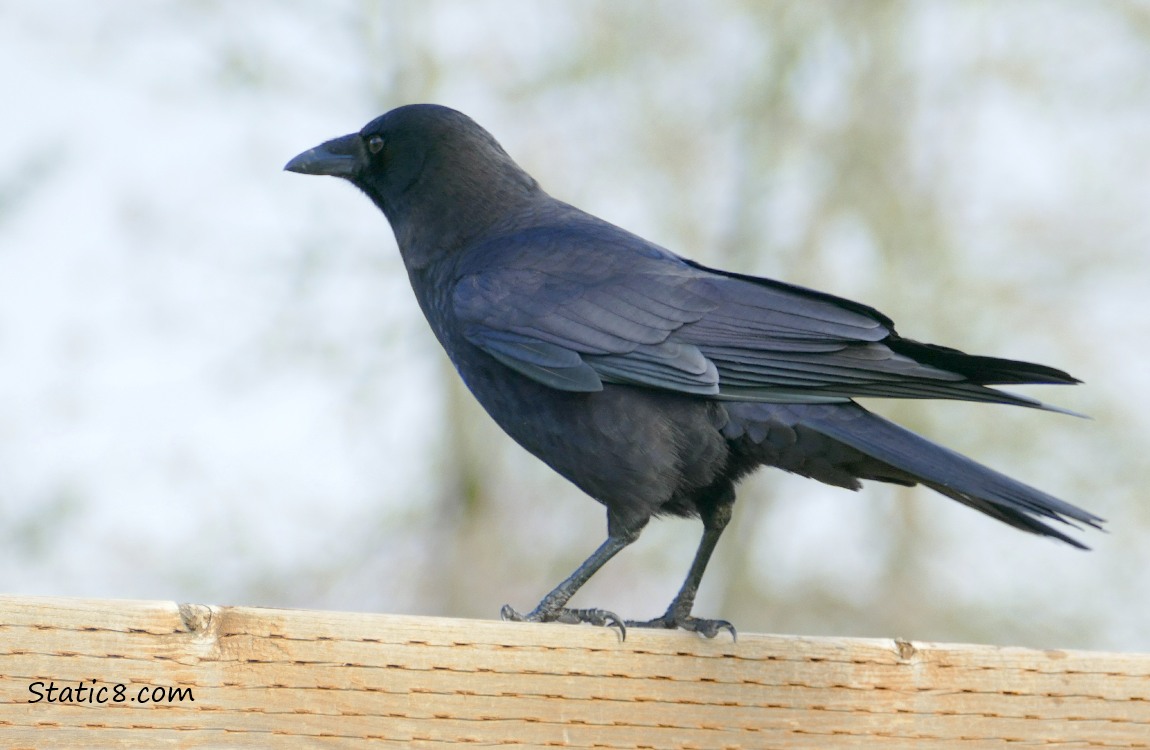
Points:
x=652, y=382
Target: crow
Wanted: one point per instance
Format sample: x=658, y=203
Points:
x=651, y=381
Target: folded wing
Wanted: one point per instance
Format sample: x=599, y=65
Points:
x=574, y=314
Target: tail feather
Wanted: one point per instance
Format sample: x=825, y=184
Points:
x=950, y=473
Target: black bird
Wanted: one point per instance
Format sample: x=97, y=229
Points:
x=653, y=382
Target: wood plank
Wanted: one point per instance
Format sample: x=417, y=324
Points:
x=263, y=677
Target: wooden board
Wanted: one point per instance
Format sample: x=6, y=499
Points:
x=284, y=678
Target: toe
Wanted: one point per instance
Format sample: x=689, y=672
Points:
x=708, y=628
x=509, y=614
x=597, y=617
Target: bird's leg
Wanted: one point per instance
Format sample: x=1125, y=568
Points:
x=553, y=606
x=678, y=615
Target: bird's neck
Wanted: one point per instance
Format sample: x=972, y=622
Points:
x=431, y=227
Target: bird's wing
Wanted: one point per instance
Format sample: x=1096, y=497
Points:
x=777, y=342
x=586, y=317
x=572, y=315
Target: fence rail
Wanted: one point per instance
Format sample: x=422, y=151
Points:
x=141, y=674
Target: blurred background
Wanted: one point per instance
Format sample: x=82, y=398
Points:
x=215, y=385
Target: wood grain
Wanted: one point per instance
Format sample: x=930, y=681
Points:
x=287, y=678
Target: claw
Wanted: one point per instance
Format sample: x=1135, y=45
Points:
x=710, y=628
x=596, y=617
x=508, y=614
x=705, y=628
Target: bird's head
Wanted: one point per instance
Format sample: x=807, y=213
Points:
x=439, y=177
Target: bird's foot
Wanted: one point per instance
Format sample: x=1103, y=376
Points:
x=597, y=617
x=708, y=628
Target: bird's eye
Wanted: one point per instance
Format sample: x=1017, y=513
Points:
x=375, y=144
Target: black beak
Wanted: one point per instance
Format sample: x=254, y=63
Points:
x=339, y=157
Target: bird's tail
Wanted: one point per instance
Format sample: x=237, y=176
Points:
x=957, y=476
x=915, y=459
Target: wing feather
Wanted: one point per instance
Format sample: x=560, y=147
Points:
x=620, y=312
